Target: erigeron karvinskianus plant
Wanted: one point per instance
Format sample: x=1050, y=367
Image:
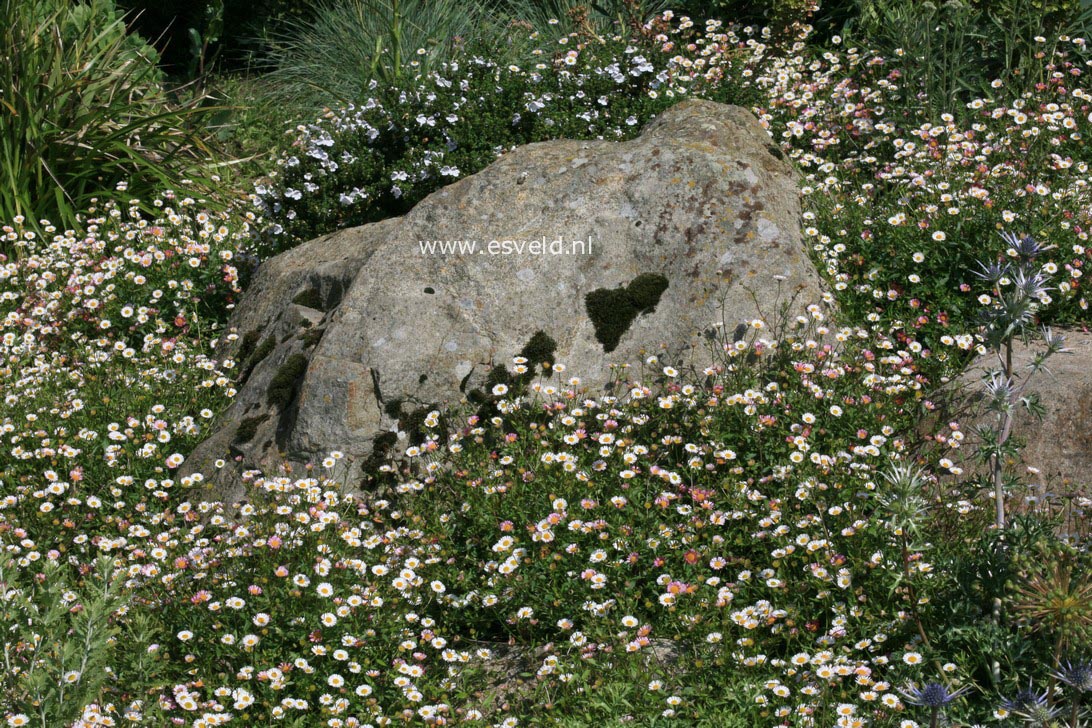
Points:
x=1020, y=289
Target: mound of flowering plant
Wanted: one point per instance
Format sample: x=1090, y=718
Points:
x=106, y=380
x=105, y=330
x=901, y=208
x=364, y=163
x=764, y=521
x=738, y=516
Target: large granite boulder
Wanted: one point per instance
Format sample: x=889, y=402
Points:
x=628, y=249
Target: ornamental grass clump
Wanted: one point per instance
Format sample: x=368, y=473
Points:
x=348, y=49
x=83, y=110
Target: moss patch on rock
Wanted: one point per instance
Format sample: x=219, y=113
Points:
x=282, y=388
x=246, y=430
x=382, y=445
x=499, y=374
x=539, y=352
x=261, y=352
x=311, y=337
x=252, y=354
x=613, y=310
x=310, y=298
x=247, y=345
x=393, y=408
x=413, y=424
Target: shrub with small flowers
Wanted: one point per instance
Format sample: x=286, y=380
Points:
x=900, y=206
x=363, y=163
x=105, y=331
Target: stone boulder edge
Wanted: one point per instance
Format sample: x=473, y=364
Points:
x=1056, y=457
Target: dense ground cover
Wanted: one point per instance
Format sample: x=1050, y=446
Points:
x=776, y=540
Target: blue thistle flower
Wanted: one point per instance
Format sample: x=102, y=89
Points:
x=1025, y=246
x=992, y=272
x=1033, y=707
x=1024, y=698
x=932, y=695
x=1076, y=675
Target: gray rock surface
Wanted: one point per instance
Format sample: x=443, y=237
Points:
x=1058, y=448
x=368, y=328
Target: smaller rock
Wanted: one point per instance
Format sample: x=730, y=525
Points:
x=1058, y=450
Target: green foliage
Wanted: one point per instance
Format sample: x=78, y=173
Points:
x=952, y=49
x=393, y=408
x=312, y=337
x=1053, y=594
x=498, y=374
x=941, y=46
x=1026, y=31
x=100, y=17
x=347, y=52
x=412, y=422
x=247, y=346
x=61, y=637
x=552, y=20
x=612, y=310
x=780, y=16
x=83, y=111
x=248, y=125
x=250, y=26
x=1014, y=602
x=204, y=36
x=910, y=203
